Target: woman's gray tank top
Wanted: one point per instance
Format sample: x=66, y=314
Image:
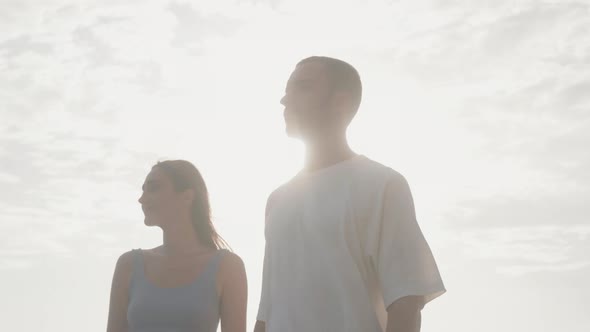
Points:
x=192, y=307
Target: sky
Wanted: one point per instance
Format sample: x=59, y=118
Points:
x=482, y=105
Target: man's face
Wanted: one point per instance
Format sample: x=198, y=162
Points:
x=307, y=101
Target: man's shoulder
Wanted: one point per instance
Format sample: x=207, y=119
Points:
x=277, y=192
x=377, y=171
x=364, y=172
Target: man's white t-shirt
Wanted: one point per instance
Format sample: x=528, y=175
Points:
x=342, y=244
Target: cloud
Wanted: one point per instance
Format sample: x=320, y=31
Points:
x=517, y=250
x=24, y=44
x=62, y=192
x=520, y=270
x=99, y=51
x=9, y=178
x=93, y=87
x=533, y=25
x=14, y=264
x=480, y=104
x=193, y=26
x=547, y=207
x=576, y=95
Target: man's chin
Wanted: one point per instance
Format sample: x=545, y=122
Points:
x=292, y=132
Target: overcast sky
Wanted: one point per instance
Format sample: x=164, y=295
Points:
x=483, y=105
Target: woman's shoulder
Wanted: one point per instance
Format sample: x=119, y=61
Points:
x=231, y=273
x=230, y=258
x=126, y=258
x=124, y=266
x=230, y=262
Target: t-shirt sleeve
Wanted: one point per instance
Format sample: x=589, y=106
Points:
x=398, y=251
x=264, y=306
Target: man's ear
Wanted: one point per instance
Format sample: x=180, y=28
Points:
x=339, y=99
x=342, y=104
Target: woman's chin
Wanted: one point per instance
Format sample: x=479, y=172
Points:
x=149, y=221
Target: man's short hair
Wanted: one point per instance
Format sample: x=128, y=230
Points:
x=343, y=77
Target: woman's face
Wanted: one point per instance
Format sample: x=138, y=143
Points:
x=159, y=201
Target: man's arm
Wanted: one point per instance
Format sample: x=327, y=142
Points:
x=260, y=326
x=404, y=315
x=403, y=261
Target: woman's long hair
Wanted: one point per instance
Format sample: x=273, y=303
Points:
x=185, y=175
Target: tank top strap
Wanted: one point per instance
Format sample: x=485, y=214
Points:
x=137, y=264
x=215, y=262
x=219, y=256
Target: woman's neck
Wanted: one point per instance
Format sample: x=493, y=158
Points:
x=180, y=238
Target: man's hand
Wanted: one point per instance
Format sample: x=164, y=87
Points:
x=403, y=315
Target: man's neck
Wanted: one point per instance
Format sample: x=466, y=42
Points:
x=327, y=151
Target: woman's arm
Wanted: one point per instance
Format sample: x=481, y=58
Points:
x=117, y=320
x=234, y=294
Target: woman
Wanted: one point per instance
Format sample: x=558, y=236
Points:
x=190, y=282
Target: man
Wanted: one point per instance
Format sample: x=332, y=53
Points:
x=343, y=249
